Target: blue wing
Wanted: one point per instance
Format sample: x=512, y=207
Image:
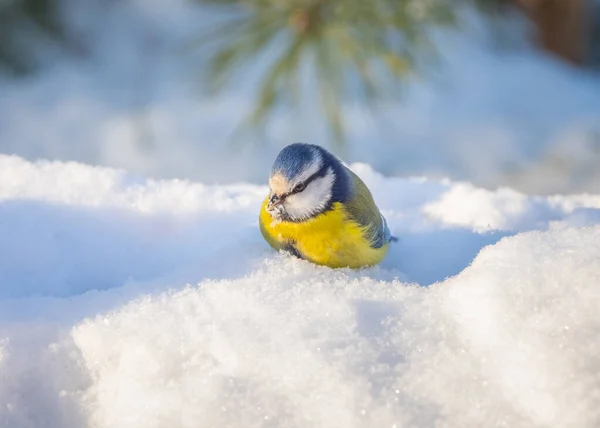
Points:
x=387, y=235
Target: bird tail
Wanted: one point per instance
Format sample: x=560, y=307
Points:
x=386, y=231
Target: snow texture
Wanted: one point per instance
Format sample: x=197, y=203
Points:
x=134, y=302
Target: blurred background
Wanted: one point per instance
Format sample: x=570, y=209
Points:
x=495, y=92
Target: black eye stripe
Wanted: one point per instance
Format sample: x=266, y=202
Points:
x=320, y=173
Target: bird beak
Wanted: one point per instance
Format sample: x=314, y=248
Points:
x=274, y=201
x=274, y=206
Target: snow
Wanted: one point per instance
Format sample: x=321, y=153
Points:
x=137, y=291
x=132, y=301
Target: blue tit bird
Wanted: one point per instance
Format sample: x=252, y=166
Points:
x=319, y=210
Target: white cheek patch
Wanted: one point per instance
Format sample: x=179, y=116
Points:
x=311, y=200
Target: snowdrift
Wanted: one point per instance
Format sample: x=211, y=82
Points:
x=130, y=302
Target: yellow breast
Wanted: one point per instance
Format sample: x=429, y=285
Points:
x=329, y=239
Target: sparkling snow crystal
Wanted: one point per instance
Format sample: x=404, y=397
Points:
x=128, y=302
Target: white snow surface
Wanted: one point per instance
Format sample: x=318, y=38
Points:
x=132, y=302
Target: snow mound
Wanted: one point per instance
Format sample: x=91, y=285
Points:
x=512, y=340
x=132, y=302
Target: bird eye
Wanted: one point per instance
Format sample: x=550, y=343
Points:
x=299, y=187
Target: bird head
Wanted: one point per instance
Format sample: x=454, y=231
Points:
x=305, y=181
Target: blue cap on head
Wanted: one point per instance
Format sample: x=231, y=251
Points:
x=294, y=159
